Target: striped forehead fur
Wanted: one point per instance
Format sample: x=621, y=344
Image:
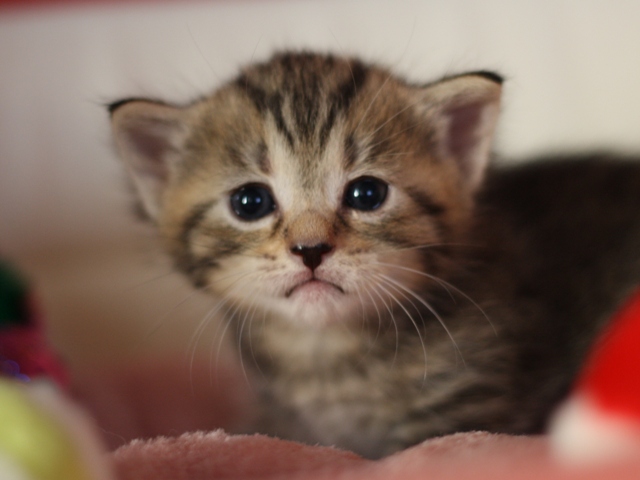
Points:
x=303, y=92
x=304, y=95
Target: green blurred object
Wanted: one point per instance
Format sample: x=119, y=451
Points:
x=13, y=297
x=40, y=445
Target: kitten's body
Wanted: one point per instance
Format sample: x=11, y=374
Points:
x=555, y=249
x=452, y=304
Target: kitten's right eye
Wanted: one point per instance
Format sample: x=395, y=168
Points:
x=252, y=202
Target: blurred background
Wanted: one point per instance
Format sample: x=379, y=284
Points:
x=573, y=83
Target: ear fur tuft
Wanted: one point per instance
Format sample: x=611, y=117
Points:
x=149, y=136
x=464, y=112
x=493, y=76
x=113, y=106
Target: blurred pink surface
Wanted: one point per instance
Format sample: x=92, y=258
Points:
x=200, y=456
x=166, y=417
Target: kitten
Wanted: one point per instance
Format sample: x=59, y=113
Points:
x=385, y=283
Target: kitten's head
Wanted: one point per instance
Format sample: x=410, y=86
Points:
x=312, y=185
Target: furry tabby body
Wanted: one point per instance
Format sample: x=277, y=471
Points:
x=386, y=285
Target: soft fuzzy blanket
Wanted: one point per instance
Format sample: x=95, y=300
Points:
x=146, y=408
x=206, y=456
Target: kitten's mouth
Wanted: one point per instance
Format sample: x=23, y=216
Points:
x=313, y=284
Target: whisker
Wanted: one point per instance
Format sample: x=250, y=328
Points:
x=393, y=320
x=406, y=47
x=344, y=54
x=242, y=273
x=229, y=290
x=226, y=321
x=262, y=327
x=440, y=282
x=375, y=97
x=250, y=314
x=388, y=78
x=446, y=284
x=197, y=334
x=195, y=337
x=383, y=124
x=206, y=60
x=240, y=335
x=415, y=324
x=230, y=318
x=429, y=245
x=393, y=135
x=390, y=155
x=253, y=356
x=255, y=49
x=370, y=135
x=429, y=307
x=375, y=339
x=364, y=318
x=193, y=293
x=155, y=278
x=154, y=329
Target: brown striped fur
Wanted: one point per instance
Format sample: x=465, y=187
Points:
x=426, y=316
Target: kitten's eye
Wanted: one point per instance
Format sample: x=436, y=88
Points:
x=252, y=202
x=366, y=194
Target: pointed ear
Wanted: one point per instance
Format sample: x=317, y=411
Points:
x=149, y=137
x=464, y=111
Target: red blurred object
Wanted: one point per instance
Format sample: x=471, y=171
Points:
x=600, y=421
x=25, y=353
x=612, y=373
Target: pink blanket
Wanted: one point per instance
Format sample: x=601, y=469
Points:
x=144, y=410
x=200, y=456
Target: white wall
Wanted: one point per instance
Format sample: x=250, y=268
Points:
x=573, y=70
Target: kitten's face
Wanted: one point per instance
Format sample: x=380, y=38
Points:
x=312, y=186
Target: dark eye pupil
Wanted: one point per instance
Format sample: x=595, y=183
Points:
x=366, y=194
x=252, y=202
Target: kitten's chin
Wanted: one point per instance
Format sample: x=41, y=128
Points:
x=314, y=290
x=316, y=302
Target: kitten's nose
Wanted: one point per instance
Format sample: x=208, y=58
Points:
x=312, y=256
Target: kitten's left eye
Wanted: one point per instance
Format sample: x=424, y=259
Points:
x=366, y=194
x=252, y=202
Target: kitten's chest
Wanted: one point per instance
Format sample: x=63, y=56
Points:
x=347, y=407
x=326, y=388
x=338, y=390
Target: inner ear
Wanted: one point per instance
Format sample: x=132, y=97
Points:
x=151, y=146
x=149, y=137
x=464, y=113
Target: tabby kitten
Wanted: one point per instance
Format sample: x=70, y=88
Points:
x=384, y=284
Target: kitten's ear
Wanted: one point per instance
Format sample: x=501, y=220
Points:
x=149, y=137
x=464, y=111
